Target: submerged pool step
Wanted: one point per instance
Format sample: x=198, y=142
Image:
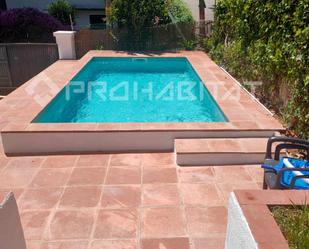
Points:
x=220, y=151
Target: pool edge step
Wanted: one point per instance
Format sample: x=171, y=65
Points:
x=220, y=151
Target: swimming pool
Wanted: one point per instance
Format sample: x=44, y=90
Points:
x=112, y=90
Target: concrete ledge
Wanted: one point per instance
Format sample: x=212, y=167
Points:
x=47, y=142
x=208, y=159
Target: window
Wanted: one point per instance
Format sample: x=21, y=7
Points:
x=97, y=21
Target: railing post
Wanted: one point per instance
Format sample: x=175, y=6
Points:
x=66, y=44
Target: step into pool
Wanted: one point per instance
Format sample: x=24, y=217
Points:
x=124, y=90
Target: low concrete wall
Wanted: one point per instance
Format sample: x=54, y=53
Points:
x=92, y=141
x=238, y=231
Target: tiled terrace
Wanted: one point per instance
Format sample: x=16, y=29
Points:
x=122, y=201
x=246, y=117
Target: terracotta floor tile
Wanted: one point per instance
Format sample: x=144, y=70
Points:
x=26, y=162
x=256, y=172
x=121, y=196
x=4, y=192
x=33, y=244
x=3, y=162
x=196, y=174
x=125, y=160
x=76, y=244
x=297, y=196
x=87, y=176
x=15, y=177
x=39, y=198
x=191, y=145
x=70, y=225
x=163, y=223
x=159, y=175
x=206, y=221
x=261, y=222
x=259, y=197
x=271, y=245
x=209, y=243
x=155, y=159
x=51, y=178
x=161, y=195
x=224, y=145
x=227, y=188
x=114, y=244
x=124, y=175
x=93, y=160
x=170, y=243
x=66, y=161
x=117, y=224
x=231, y=174
x=34, y=223
x=201, y=194
x=80, y=197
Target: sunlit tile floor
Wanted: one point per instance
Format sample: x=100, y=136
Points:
x=122, y=201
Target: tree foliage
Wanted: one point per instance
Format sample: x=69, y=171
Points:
x=62, y=10
x=137, y=16
x=179, y=12
x=267, y=41
x=27, y=25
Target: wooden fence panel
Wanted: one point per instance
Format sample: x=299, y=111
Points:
x=28, y=59
x=5, y=75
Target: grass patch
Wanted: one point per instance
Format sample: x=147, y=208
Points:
x=294, y=224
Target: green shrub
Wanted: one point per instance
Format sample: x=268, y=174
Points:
x=61, y=10
x=207, y=44
x=189, y=45
x=267, y=41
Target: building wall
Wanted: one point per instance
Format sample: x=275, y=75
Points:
x=194, y=7
x=82, y=17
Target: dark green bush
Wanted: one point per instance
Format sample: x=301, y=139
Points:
x=267, y=41
x=189, y=45
x=62, y=10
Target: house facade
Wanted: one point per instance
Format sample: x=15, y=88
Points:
x=93, y=12
x=90, y=12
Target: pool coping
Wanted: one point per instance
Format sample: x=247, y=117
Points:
x=244, y=114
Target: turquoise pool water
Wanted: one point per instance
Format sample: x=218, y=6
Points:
x=133, y=90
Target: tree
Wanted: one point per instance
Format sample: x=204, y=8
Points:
x=137, y=16
x=179, y=11
x=62, y=10
x=27, y=25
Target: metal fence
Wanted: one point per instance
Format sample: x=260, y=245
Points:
x=19, y=62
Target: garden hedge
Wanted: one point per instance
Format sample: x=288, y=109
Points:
x=267, y=41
